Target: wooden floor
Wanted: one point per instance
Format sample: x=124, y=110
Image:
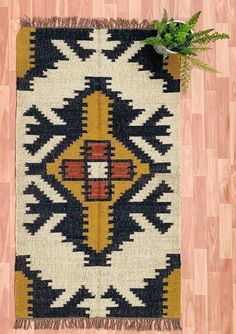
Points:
x=208, y=158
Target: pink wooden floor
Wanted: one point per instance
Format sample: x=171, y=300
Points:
x=208, y=158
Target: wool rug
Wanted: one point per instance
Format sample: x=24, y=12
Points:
x=97, y=165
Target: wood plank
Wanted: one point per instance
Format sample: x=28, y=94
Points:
x=199, y=215
x=213, y=295
x=225, y=231
x=224, y=179
x=213, y=244
x=222, y=98
x=187, y=238
x=211, y=140
x=187, y=171
x=188, y=305
x=226, y=297
x=212, y=194
x=222, y=52
x=198, y=141
x=201, y=319
x=3, y=49
x=200, y=271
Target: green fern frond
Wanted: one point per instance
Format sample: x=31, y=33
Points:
x=202, y=33
x=161, y=26
x=157, y=25
x=193, y=50
x=201, y=65
x=193, y=20
x=164, y=17
x=198, y=49
x=152, y=41
x=185, y=73
x=205, y=39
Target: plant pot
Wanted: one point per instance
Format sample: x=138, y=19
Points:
x=159, y=48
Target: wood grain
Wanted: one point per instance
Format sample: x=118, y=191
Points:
x=208, y=159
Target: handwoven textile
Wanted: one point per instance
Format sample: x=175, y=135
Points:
x=97, y=223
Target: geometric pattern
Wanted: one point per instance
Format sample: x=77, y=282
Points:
x=97, y=176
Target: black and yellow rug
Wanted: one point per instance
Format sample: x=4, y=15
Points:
x=97, y=179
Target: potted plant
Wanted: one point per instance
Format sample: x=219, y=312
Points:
x=178, y=37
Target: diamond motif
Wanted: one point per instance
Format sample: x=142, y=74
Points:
x=97, y=168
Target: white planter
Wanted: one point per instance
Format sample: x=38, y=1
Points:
x=159, y=48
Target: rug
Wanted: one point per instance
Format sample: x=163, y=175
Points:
x=97, y=168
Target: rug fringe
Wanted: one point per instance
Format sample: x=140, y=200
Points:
x=138, y=324
x=76, y=22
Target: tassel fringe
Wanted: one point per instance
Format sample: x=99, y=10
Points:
x=76, y=22
x=139, y=324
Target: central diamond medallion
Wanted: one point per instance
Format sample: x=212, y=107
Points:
x=97, y=169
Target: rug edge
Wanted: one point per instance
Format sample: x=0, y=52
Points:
x=139, y=324
x=77, y=22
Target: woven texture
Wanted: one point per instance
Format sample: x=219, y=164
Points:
x=97, y=180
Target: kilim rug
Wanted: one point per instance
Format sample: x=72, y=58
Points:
x=97, y=168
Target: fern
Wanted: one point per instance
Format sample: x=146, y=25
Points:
x=194, y=50
x=198, y=49
x=201, y=65
x=181, y=39
x=185, y=74
x=205, y=39
x=164, y=17
x=152, y=41
x=202, y=32
x=191, y=23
